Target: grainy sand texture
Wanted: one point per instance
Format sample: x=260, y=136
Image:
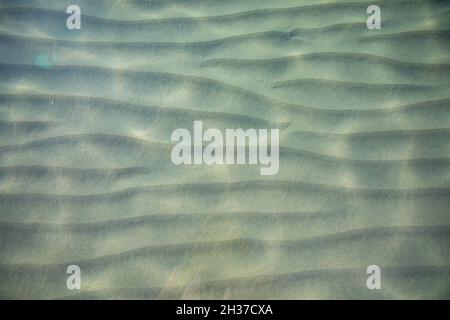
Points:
x=86, y=176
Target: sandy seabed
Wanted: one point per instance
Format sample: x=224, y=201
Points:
x=85, y=172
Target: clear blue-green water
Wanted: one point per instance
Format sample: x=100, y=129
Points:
x=86, y=177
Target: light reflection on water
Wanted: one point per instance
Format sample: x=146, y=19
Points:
x=86, y=177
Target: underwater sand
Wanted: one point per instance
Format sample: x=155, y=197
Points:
x=85, y=171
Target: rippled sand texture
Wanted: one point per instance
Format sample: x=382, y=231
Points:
x=85, y=170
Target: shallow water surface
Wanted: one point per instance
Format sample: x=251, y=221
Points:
x=86, y=177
